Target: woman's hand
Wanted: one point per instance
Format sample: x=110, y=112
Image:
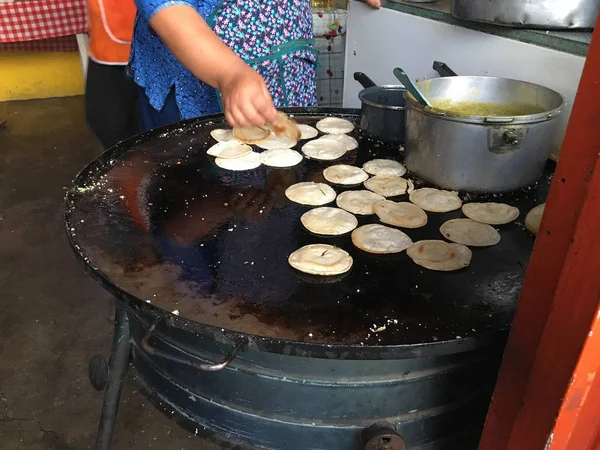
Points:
x=246, y=99
x=374, y=3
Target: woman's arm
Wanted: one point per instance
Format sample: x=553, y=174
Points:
x=246, y=99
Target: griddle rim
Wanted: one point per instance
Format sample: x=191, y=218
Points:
x=149, y=312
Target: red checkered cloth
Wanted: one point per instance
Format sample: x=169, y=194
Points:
x=59, y=44
x=30, y=20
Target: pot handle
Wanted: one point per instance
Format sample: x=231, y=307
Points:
x=506, y=140
x=364, y=80
x=443, y=69
x=194, y=361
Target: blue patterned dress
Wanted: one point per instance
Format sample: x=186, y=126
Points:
x=273, y=36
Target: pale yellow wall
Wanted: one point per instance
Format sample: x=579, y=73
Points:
x=28, y=75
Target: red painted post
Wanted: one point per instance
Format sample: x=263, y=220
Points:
x=561, y=290
x=578, y=423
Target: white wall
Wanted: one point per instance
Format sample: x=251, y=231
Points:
x=379, y=40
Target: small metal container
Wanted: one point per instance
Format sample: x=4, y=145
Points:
x=382, y=113
x=481, y=154
x=556, y=14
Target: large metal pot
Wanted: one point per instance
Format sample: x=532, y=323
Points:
x=481, y=153
x=382, y=113
x=530, y=13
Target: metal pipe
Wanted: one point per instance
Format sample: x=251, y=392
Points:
x=119, y=362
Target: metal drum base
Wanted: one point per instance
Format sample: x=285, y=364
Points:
x=465, y=438
x=263, y=400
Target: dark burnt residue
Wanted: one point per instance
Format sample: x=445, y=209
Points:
x=156, y=219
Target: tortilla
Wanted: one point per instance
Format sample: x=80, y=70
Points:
x=229, y=150
x=222, y=135
x=435, y=200
x=384, y=167
x=534, y=219
x=311, y=194
x=348, y=141
x=439, y=255
x=285, y=126
x=491, y=213
x=281, y=157
x=387, y=185
x=379, y=239
x=345, y=174
x=276, y=142
x=307, y=132
x=334, y=125
x=328, y=221
x=471, y=233
x=246, y=162
x=321, y=259
x=359, y=202
x=251, y=135
x=324, y=149
x=405, y=215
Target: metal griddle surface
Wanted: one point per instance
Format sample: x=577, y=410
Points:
x=228, y=268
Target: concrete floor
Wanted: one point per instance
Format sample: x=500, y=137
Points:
x=53, y=317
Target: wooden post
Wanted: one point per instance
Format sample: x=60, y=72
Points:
x=547, y=383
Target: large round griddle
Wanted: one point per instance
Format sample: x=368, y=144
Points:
x=152, y=220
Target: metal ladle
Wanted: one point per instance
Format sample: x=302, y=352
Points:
x=410, y=86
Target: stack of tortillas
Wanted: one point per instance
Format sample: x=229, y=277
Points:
x=229, y=150
x=233, y=155
x=439, y=255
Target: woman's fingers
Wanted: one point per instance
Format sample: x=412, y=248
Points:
x=252, y=116
x=264, y=104
x=247, y=101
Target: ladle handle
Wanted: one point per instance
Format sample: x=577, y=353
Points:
x=443, y=69
x=193, y=361
x=410, y=86
x=364, y=80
